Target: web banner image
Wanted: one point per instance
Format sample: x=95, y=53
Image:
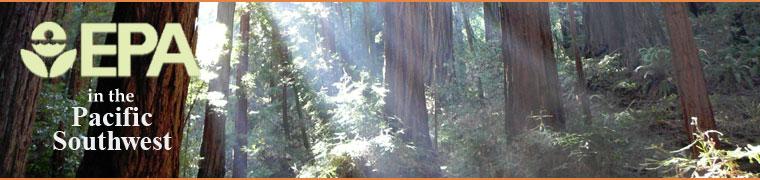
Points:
x=379, y=89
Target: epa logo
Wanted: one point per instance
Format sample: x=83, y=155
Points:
x=48, y=47
x=49, y=42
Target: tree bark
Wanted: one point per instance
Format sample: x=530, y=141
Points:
x=603, y=27
x=75, y=81
x=163, y=96
x=690, y=80
x=441, y=54
x=212, y=147
x=20, y=88
x=492, y=18
x=405, y=50
x=240, y=162
x=620, y=28
x=367, y=27
x=60, y=12
x=581, y=87
x=468, y=26
x=528, y=58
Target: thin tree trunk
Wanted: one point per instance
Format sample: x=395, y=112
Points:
x=527, y=45
x=468, y=26
x=240, y=163
x=163, y=96
x=60, y=12
x=302, y=120
x=690, y=80
x=367, y=28
x=581, y=87
x=471, y=46
x=282, y=56
x=284, y=108
x=330, y=43
x=58, y=158
x=20, y=87
x=75, y=81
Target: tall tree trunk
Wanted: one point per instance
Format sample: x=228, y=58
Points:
x=58, y=158
x=620, y=28
x=604, y=27
x=492, y=18
x=284, y=108
x=468, y=26
x=302, y=119
x=282, y=55
x=441, y=52
x=329, y=43
x=738, y=31
x=692, y=91
x=471, y=46
x=367, y=26
x=405, y=50
x=212, y=148
x=163, y=96
x=282, y=66
x=60, y=12
x=75, y=80
x=20, y=87
x=528, y=50
x=642, y=29
x=240, y=163
x=581, y=87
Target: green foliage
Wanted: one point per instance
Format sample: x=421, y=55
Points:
x=711, y=162
x=730, y=59
x=196, y=104
x=53, y=108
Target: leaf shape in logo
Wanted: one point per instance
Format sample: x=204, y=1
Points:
x=34, y=63
x=63, y=63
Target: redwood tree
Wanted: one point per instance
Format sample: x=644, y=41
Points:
x=690, y=80
x=240, y=161
x=620, y=28
x=212, y=148
x=405, y=51
x=20, y=88
x=441, y=54
x=528, y=57
x=163, y=96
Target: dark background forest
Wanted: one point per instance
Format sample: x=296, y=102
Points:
x=406, y=90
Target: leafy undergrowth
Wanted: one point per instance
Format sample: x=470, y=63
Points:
x=712, y=161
